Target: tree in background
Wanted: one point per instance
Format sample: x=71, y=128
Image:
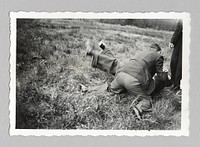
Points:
x=159, y=24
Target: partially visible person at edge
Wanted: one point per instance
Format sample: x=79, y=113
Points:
x=176, y=58
x=135, y=77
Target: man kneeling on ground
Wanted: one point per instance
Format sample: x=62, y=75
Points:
x=135, y=77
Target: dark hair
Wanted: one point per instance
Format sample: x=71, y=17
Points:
x=156, y=46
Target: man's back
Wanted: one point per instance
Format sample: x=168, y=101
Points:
x=153, y=60
x=143, y=66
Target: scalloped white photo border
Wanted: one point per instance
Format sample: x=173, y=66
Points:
x=184, y=131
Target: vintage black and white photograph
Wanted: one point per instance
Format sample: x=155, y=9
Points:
x=99, y=73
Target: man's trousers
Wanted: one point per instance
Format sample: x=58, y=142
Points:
x=105, y=63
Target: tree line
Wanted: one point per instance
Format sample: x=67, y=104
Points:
x=158, y=24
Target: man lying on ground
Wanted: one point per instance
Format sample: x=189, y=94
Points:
x=135, y=77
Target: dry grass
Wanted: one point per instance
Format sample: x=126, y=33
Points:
x=51, y=66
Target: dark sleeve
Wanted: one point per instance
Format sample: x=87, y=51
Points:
x=177, y=32
x=159, y=64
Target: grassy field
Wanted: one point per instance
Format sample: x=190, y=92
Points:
x=51, y=66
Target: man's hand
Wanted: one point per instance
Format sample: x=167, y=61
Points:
x=171, y=45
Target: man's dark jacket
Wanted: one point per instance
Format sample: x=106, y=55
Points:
x=176, y=58
x=143, y=67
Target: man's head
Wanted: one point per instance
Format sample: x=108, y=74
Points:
x=155, y=47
